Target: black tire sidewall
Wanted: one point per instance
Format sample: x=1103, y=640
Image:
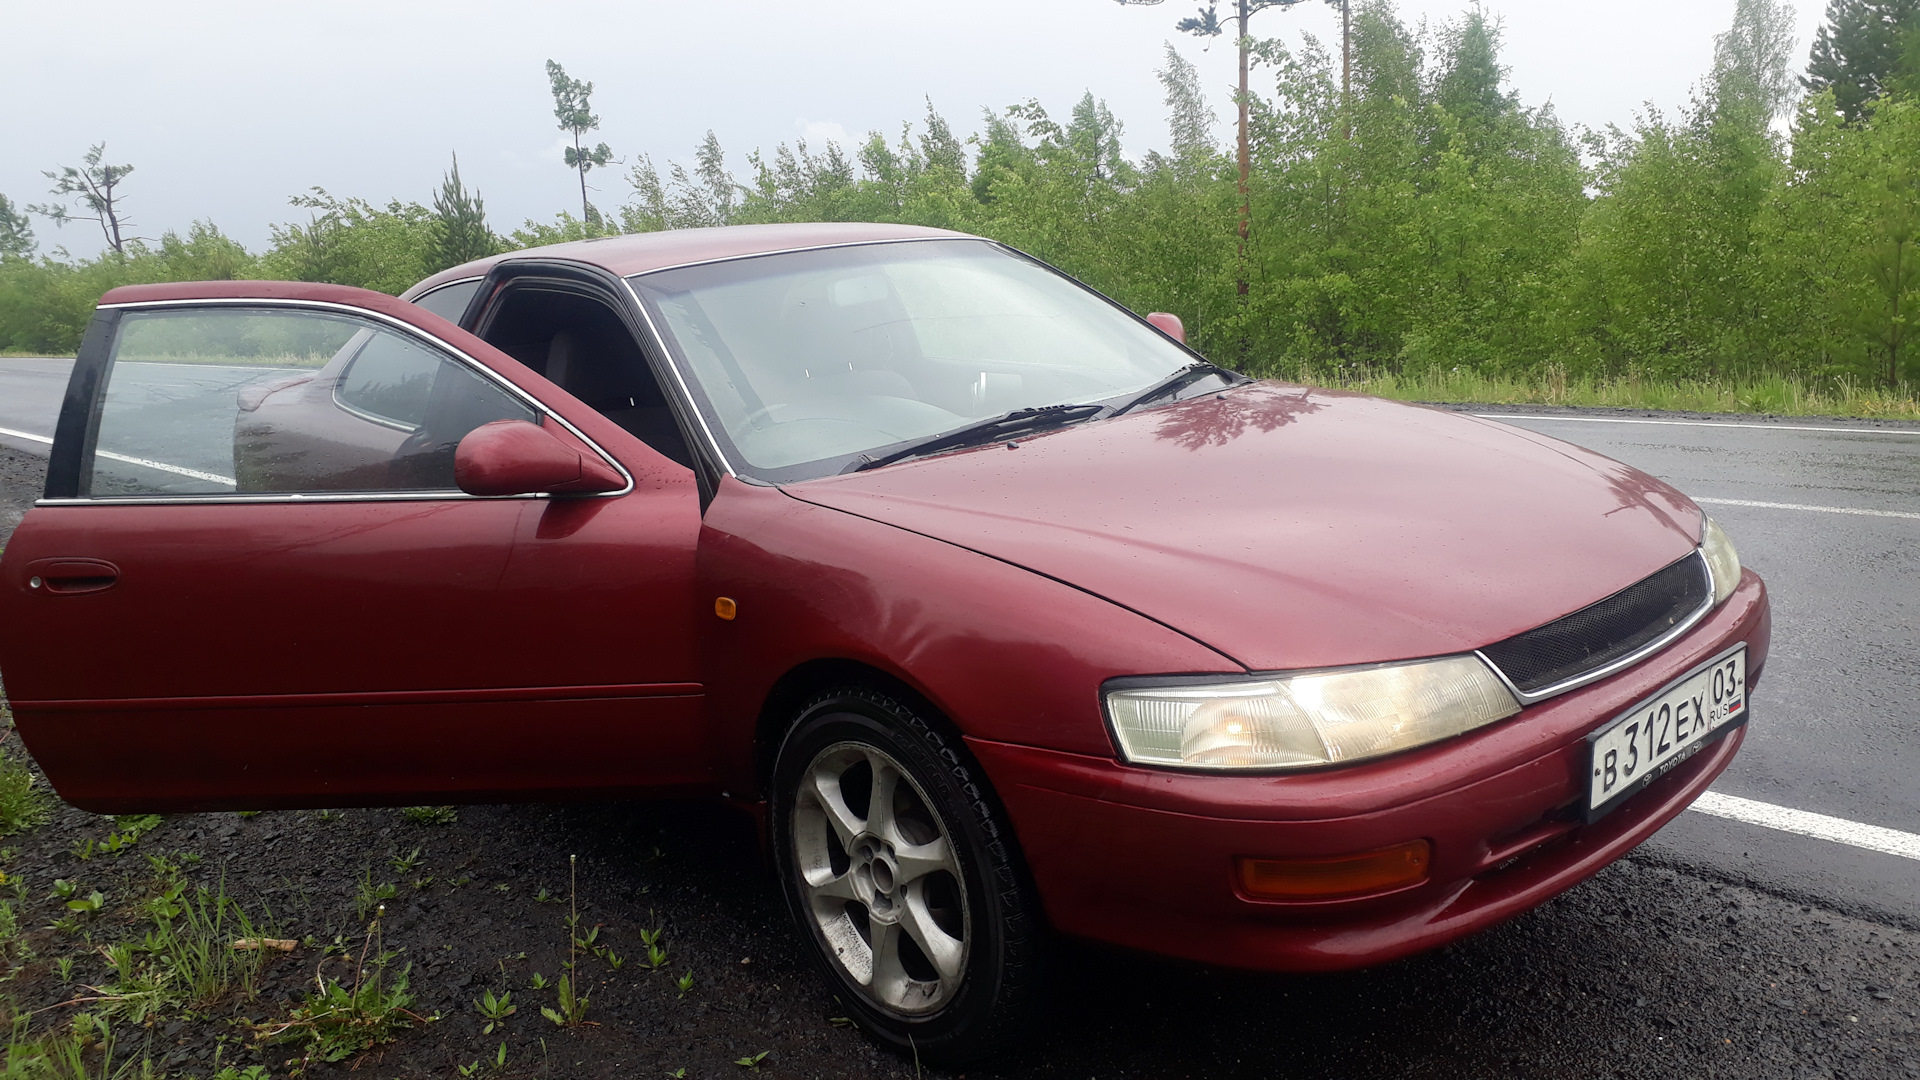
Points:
x=988, y=1010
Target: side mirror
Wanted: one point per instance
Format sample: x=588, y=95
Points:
x=514, y=457
x=1169, y=325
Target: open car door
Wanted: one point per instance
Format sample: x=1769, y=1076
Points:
x=255, y=582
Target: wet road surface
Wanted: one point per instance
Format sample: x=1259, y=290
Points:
x=1836, y=716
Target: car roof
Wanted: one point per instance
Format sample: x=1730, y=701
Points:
x=637, y=253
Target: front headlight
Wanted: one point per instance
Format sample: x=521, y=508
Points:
x=1722, y=560
x=1318, y=718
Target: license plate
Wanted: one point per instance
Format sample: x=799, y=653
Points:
x=1648, y=740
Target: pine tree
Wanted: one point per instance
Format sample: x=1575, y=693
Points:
x=573, y=107
x=459, y=228
x=94, y=187
x=1858, y=51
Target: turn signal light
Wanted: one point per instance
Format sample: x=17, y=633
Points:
x=1329, y=877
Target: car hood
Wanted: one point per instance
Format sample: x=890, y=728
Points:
x=1290, y=527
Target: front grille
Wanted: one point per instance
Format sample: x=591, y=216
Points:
x=1603, y=632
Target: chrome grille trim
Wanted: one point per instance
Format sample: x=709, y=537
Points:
x=1618, y=664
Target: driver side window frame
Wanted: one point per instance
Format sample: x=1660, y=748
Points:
x=78, y=426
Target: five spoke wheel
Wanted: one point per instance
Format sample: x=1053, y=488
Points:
x=898, y=865
x=881, y=878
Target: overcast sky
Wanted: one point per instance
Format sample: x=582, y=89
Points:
x=226, y=109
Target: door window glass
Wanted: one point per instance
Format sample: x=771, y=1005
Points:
x=258, y=401
x=450, y=301
x=390, y=379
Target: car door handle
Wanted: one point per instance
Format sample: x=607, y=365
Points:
x=70, y=577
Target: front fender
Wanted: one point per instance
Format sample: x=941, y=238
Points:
x=1007, y=654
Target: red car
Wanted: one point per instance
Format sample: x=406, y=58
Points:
x=1009, y=614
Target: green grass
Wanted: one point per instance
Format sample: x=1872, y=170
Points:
x=23, y=800
x=1784, y=395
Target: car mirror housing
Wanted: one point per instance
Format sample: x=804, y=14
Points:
x=1169, y=325
x=514, y=457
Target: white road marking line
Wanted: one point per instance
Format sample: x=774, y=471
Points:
x=177, y=470
x=1801, y=506
x=1698, y=423
x=1805, y=823
x=27, y=435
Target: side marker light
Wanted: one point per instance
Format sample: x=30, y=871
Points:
x=725, y=608
x=1330, y=877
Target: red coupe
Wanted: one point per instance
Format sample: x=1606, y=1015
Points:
x=1008, y=613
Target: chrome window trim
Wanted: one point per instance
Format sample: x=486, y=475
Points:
x=403, y=327
x=371, y=418
x=680, y=380
x=1618, y=665
x=441, y=495
x=443, y=285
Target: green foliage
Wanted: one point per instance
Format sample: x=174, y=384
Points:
x=370, y=897
x=573, y=108
x=87, y=1050
x=1768, y=393
x=430, y=815
x=495, y=1009
x=93, y=187
x=458, y=232
x=16, y=232
x=353, y=242
x=572, y=1010
x=45, y=304
x=1420, y=219
x=23, y=801
x=339, y=1019
x=1858, y=53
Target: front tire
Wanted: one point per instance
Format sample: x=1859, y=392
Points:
x=899, y=867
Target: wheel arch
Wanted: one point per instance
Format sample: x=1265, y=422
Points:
x=814, y=677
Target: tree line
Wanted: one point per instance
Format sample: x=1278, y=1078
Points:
x=1401, y=209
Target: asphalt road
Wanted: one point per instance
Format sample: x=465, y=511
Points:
x=1722, y=947
x=1836, y=717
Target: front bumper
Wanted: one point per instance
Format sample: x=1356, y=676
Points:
x=1144, y=858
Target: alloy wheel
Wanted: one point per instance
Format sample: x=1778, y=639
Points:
x=880, y=877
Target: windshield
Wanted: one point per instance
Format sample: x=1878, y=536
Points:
x=806, y=360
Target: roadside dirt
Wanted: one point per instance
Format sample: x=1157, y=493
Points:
x=1646, y=971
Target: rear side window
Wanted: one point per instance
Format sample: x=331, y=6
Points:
x=257, y=401
x=450, y=301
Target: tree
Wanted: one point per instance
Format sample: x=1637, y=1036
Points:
x=459, y=231
x=1207, y=24
x=16, y=232
x=1895, y=263
x=706, y=197
x=573, y=107
x=1858, y=50
x=1673, y=271
x=94, y=187
x=353, y=242
x=1189, y=117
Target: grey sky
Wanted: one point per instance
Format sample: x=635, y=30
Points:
x=227, y=108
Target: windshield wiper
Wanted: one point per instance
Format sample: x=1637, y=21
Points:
x=1179, y=380
x=1017, y=422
